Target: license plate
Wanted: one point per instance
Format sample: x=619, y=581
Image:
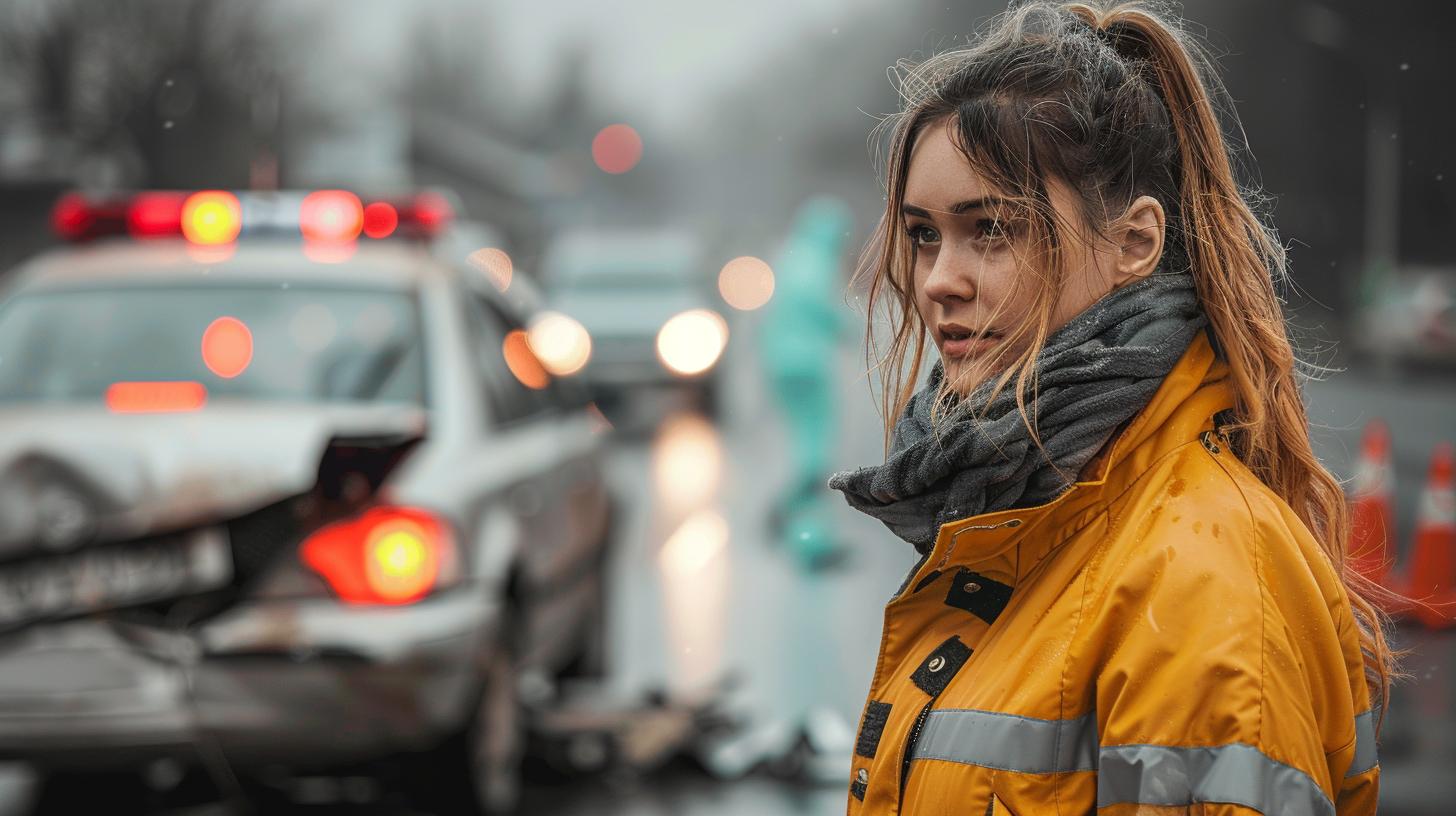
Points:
x=113, y=576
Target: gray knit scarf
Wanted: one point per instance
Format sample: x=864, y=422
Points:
x=1096, y=372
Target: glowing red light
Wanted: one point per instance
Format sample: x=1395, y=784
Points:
x=431, y=212
x=154, y=215
x=155, y=397
x=617, y=149
x=380, y=220
x=227, y=347
x=331, y=215
x=72, y=217
x=388, y=555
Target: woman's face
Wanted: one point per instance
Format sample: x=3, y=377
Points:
x=970, y=289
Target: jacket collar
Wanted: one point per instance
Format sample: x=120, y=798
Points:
x=1007, y=544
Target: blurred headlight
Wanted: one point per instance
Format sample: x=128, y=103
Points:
x=561, y=344
x=690, y=343
x=746, y=283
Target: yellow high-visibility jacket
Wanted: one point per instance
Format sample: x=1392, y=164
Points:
x=1165, y=637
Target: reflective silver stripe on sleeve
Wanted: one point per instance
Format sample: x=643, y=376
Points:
x=1233, y=774
x=1007, y=742
x=1365, y=751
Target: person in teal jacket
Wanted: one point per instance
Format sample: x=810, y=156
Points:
x=798, y=339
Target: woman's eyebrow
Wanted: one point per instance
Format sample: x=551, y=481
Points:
x=957, y=208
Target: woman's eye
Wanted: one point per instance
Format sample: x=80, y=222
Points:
x=921, y=235
x=991, y=229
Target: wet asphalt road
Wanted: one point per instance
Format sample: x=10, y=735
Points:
x=797, y=643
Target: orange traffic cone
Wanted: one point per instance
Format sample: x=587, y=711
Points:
x=1432, y=582
x=1372, y=522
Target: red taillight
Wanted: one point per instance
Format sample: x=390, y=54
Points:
x=155, y=397
x=387, y=555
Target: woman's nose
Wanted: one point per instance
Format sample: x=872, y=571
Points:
x=953, y=277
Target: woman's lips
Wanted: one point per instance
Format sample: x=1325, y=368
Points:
x=968, y=346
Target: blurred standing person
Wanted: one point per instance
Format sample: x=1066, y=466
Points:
x=1133, y=592
x=798, y=339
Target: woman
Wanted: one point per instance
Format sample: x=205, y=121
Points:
x=1132, y=595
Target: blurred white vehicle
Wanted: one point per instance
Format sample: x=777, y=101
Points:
x=1413, y=319
x=288, y=505
x=646, y=299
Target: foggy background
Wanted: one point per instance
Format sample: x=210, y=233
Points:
x=745, y=110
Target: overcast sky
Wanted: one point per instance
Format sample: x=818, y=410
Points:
x=657, y=53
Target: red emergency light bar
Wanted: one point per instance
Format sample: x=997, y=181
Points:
x=219, y=217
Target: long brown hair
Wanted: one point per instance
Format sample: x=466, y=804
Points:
x=1117, y=102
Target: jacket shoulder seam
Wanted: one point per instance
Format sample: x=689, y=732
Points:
x=1067, y=664
x=1259, y=567
x=1344, y=747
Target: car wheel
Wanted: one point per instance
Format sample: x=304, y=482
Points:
x=589, y=662
x=479, y=769
x=496, y=739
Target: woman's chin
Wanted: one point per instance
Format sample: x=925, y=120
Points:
x=961, y=376
x=964, y=375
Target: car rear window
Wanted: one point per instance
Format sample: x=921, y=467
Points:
x=265, y=342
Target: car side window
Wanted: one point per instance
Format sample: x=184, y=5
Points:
x=515, y=382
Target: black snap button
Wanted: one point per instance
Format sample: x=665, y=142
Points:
x=979, y=595
x=936, y=671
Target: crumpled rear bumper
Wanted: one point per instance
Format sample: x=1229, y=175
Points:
x=301, y=683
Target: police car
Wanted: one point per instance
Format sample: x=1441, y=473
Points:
x=283, y=484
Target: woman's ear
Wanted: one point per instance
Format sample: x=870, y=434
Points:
x=1138, y=237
